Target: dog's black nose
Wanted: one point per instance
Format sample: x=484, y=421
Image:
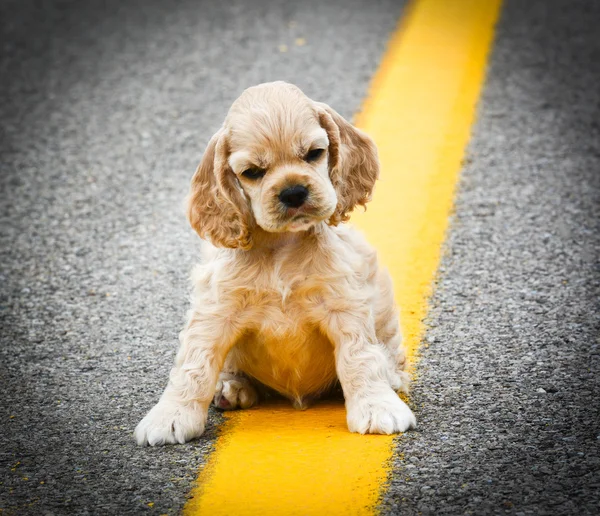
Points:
x=294, y=196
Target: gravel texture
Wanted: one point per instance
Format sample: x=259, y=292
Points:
x=106, y=108
x=509, y=381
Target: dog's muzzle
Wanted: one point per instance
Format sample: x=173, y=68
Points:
x=294, y=196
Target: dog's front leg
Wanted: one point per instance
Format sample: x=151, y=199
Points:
x=363, y=367
x=180, y=415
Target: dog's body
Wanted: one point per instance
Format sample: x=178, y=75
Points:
x=285, y=293
x=288, y=297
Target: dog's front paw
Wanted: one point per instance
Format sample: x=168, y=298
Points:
x=234, y=391
x=383, y=413
x=170, y=423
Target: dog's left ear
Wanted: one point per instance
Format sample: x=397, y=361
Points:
x=353, y=162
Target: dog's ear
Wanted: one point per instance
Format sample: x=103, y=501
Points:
x=217, y=208
x=353, y=162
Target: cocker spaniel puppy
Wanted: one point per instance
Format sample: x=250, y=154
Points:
x=287, y=295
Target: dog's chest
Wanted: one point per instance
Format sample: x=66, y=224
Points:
x=284, y=348
x=285, y=303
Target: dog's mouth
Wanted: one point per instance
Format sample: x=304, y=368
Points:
x=306, y=211
x=301, y=219
x=297, y=213
x=280, y=218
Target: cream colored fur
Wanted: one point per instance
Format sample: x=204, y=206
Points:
x=285, y=297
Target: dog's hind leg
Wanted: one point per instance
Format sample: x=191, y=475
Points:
x=234, y=390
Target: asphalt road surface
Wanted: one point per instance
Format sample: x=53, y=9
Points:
x=106, y=108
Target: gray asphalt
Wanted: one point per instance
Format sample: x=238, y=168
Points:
x=106, y=108
x=509, y=385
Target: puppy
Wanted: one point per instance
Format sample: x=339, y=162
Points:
x=286, y=296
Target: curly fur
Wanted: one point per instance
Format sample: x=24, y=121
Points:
x=352, y=160
x=286, y=297
x=216, y=208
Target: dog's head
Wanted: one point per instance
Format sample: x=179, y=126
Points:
x=283, y=162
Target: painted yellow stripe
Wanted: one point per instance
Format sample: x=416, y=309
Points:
x=420, y=114
x=279, y=461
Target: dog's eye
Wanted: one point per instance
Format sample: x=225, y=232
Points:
x=253, y=173
x=314, y=155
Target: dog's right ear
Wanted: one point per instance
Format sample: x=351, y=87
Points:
x=217, y=208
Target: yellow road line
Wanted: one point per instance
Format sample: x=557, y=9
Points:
x=281, y=461
x=278, y=461
x=420, y=112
